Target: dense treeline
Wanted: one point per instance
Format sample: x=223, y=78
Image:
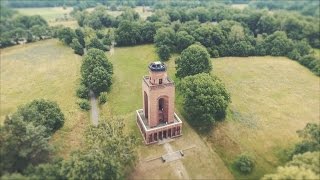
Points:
x=16, y=29
x=129, y=3
x=224, y=31
x=76, y=3
x=229, y=32
x=305, y=7
x=37, y=3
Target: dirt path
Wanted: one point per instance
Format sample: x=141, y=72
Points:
x=112, y=49
x=94, y=109
x=177, y=165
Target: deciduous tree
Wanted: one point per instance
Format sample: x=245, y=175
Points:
x=96, y=71
x=205, y=99
x=193, y=60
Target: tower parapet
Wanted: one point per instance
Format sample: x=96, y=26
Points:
x=157, y=73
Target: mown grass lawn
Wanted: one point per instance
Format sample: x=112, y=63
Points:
x=45, y=69
x=272, y=98
x=51, y=14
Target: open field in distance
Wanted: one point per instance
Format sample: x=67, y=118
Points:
x=45, y=69
x=53, y=15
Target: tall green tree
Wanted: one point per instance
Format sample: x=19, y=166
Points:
x=97, y=44
x=66, y=35
x=193, y=60
x=42, y=112
x=128, y=33
x=205, y=99
x=302, y=166
x=267, y=24
x=109, y=153
x=310, y=139
x=77, y=47
x=39, y=31
x=22, y=143
x=25, y=135
x=96, y=71
x=278, y=44
x=148, y=31
x=183, y=40
x=165, y=36
x=163, y=52
x=80, y=36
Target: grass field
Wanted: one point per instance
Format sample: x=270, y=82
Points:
x=45, y=69
x=272, y=98
x=130, y=64
x=51, y=15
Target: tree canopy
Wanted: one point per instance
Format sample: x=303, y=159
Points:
x=109, y=153
x=16, y=28
x=310, y=139
x=193, y=60
x=302, y=166
x=25, y=135
x=96, y=71
x=41, y=113
x=205, y=99
x=305, y=161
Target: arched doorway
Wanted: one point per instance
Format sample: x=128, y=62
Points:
x=163, y=107
x=145, y=98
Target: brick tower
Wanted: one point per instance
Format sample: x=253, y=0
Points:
x=157, y=119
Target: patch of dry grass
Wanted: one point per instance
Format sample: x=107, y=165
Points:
x=272, y=98
x=239, y=6
x=52, y=15
x=45, y=69
x=138, y=9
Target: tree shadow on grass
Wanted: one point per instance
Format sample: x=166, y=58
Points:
x=202, y=128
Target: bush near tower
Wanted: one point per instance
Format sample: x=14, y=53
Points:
x=205, y=99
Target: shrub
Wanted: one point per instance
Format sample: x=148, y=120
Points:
x=77, y=47
x=83, y=92
x=294, y=54
x=84, y=105
x=244, y=164
x=97, y=44
x=103, y=98
x=310, y=139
